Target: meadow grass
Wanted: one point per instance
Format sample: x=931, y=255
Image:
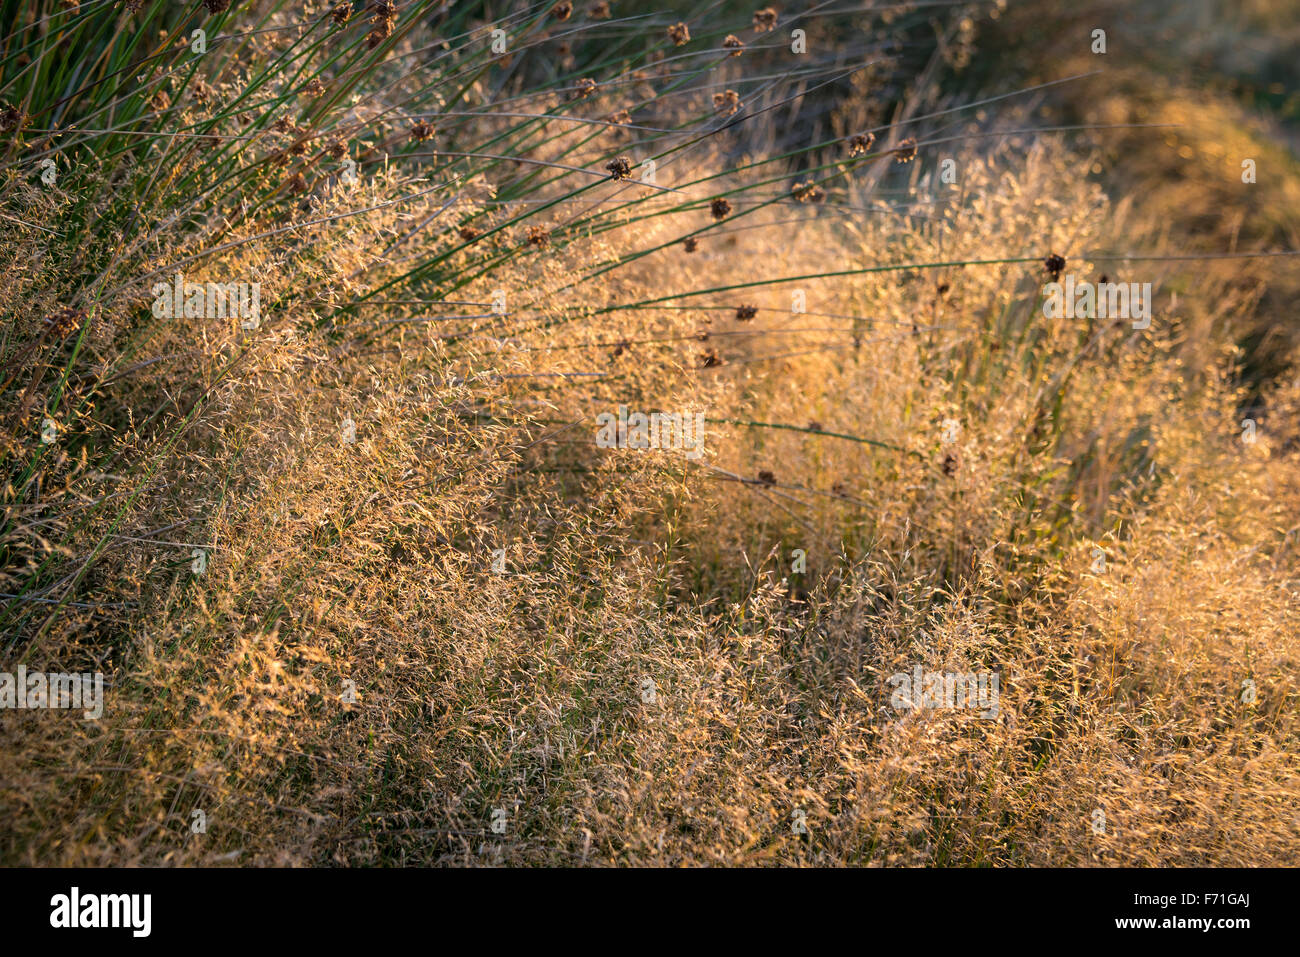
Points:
x=427, y=598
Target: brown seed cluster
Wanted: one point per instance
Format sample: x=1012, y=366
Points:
x=691, y=244
x=720, y=208
x=745, y=313
x=905, y=152
x=11, y=119
x=216, y=6
x=808, y=192
x=201, y=93
x=422, y=131
x=766, y=477
x=337, y=149
x=468, y=233
x=680, y=34
x=860, y=143
x=620, y=167
x=621, y=118
x=711, y=359
x=382, y=22
x=728, y=103
x=538, y=236
x=598, y=11
x=584, y=88
x=562, y=10
x=64, y=322
x=1054, y=265
x=342, y=13
x=764, y=20
x=734, y=44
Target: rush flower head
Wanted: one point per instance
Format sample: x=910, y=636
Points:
x=422, y=131
x=808, y=192
x=468, y=233
x=584, y=88
x=720, y=208
x=679, y=33
x=297, y=183
x=64, y=322
x=727, y=103
x=538, y=236
x=1054, y=265
x=745, y=313
x=621, y=118
x=216, y=6
x=691, y=244
x=905, y=152
x=385, y=14
x=342, y=13
x=620, y=167
x=860, y=143
x=337, y=149
x=562, y=10
x=11, y=118
x=766, y=478
x=598, y=11
x=711, y=359
x=734, y=44
x=764, y=20
x=315, y=87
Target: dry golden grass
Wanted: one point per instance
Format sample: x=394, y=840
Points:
x=371, y=562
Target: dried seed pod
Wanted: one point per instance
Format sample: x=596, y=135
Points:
x=860, y=143
x=620, y=167
x=905, y=152
x=727, y=103
x=1054, y=265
